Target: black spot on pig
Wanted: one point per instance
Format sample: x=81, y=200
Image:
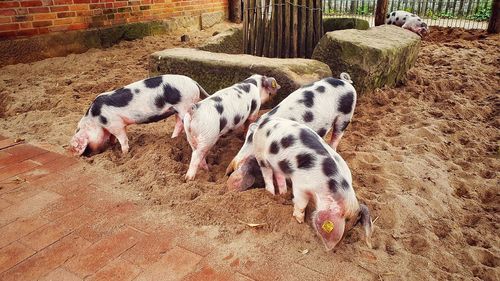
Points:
x=264, y=122
x=346, y=103
x=103, y=120
x=170, y=95
x=308, y=99
x=344, y=184
x=137, y=91
x=288, y=141
x=393, y=14
x=322, y=132
x=389, y=22
x=397, y=18
x=153, y=82
x=250, y=138
x=274, y=148
x=251, y=81
x=344, y=126
x=216, y=98
x=262, y=163
x=332, y=185
x=253, y=107
x=119, y=98
x=404, y=19
x=334, y=82
x=245, y=87
x=268, y=133
x=311, y=140
x=219, y=107
x=308, y=116
x=273, y=111
x=321, y=89
x=413, y=15
x=329, y=167
x=387, y=16
x=305, y=160
x=237, y=119
x=159, y=117
x=222, y=123
x=285, y=166
x=293, y=119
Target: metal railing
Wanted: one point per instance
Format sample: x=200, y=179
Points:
x=469, y=14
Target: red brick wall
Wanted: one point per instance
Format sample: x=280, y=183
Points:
x=32, y=17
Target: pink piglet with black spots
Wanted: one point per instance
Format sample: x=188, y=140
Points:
x=316, y=172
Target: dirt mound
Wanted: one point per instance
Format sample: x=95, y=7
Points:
x=424, y=158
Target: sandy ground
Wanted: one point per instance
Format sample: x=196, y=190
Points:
x=424, y=158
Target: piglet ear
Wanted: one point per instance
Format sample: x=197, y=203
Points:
x=78, y=143
x=330, y=227
x=366, y=223
x=270, y=83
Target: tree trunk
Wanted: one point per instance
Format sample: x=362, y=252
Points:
x=381, y=12
x=494, y=24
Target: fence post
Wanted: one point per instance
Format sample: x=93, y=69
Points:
x=494, y=24
x=381, y=12
x=235, y=11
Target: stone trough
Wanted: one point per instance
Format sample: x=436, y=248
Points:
x=215, y=71
x=375, y=57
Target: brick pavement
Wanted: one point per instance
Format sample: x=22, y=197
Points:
x=58, y=222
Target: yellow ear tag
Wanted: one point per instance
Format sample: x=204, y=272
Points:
x=327, y=226
x=273, y=84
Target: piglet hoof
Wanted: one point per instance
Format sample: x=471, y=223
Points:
x=299, y=216
x=188, y=177
x=368, y=241
x=125, y=150
x=270, y=189
x=174, y=136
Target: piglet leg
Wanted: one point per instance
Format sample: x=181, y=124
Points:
x=338, y=128
x=281, y=181
x=300, y=201
x=121, y=135
x=178, y=126
x=267, y=173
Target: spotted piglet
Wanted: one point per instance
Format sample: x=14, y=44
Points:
x=225, y=110
x=323, y=105
x=316, y=171
x=145, y=101
x=408, y=21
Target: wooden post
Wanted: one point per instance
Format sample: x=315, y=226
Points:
x=258, y=29
x=381, y=12
x=245, y=27
x=295, y=29
x=273, y=26
x=235, y=12
x=286, y=53
x=303, y=29
x=494, y=24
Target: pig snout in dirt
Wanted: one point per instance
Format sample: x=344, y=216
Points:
x=227, y=109
x=145, y=101
x=286, y=149
x=323, y=105
x=408, y=21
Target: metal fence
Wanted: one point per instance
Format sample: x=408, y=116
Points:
x=469, y=14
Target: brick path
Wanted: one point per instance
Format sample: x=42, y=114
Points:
x=59, y=222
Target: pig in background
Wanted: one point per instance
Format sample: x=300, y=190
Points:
x=408, y=21
x=225, y=110
x=287, y=149
x=323, y=105
x=141, y=102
